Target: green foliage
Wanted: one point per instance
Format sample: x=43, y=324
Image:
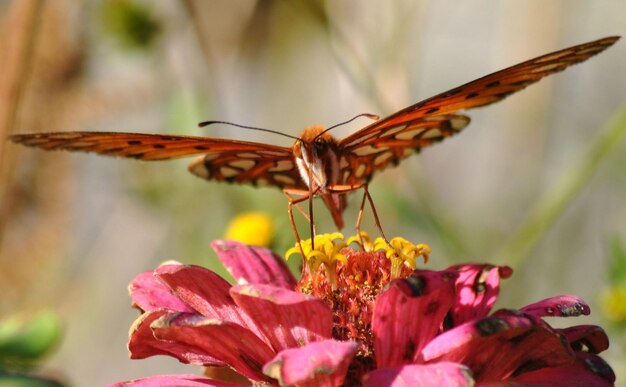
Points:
x=25, y=338
x=131, y=23
x=617, y=272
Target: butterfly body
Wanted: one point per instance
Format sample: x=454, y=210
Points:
x=317, y=163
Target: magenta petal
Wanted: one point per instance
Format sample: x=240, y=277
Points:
x=587, y=370
x=254, y=265
x=558, y=306
x=173, y=380
x=498, y=347
x=233, y=344
x=148, y=293
x=409, y=314
x=323, y=363
x=590, y=338
x=206, y=292
x=416, y=375
x=143, y=344
x=286, y=318
x=477, y=289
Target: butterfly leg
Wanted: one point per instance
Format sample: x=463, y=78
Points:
x=305, y=195
x=366, y=196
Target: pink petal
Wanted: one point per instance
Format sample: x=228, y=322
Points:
x=233, y=344
x=172, y=380
x=499, y=346
x=415, y=375
x=591, y=338
x=477, y=289
x=254, y=265
x=286, y=318
x=587, y=370
x=323, y=363
x=409, y=314
x=206, y=292
x=561, y=306
x=143, y=344
x=148, y=293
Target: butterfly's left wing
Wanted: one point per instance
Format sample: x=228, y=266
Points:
x=222, y=159
x=395, y=137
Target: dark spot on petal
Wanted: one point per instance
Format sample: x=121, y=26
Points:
x=432, y=110
x=432, y=308
x=599, y=367
x=529, y=365
x=409, y=350
x=158, y=146
x=417, y=284
x=574, y=310
x=136, y=155
x=448, y=322
x=493, y=84
x=134, y=142
x=251, y=362
x=471, y=95
x=490, y=325
x=201, y=147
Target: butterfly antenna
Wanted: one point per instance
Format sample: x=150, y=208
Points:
x=207, y=123
x=368, y=115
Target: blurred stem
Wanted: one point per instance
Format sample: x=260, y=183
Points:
x=554, y=201
x=18, y=42
x=347, y=57
x=19, y=38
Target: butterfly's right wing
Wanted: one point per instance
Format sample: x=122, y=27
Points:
x=222, y=159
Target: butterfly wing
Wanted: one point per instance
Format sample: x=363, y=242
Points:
x=222, y=160
x=398, y=135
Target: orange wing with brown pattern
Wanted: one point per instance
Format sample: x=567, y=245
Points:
x=223, y=160
x=397, y=136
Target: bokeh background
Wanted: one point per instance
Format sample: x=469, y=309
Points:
x=537, y=181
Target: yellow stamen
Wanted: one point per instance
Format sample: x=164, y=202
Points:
x=362, y=239
x=327, y=251
x=402, y=252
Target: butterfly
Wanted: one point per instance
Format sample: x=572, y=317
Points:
x=318, y=164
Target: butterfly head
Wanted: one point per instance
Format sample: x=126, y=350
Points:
x=315, y=153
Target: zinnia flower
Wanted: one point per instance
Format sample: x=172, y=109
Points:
x=357, y=325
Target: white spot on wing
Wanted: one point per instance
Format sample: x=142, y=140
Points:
x=409, y=134
x=242, y=164
x=228, y=171
x=249, y=155
x=366, y=150
x=360, y=170
x=432, y=133
x=283, y=165
x=383, y=157
x=198, y=168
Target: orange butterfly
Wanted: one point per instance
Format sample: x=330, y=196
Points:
x=317, y=163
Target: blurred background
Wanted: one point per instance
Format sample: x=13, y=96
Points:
x=536, y=181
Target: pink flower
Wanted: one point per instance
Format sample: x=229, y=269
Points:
x=357, y=325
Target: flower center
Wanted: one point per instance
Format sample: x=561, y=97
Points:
x=349, y=280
